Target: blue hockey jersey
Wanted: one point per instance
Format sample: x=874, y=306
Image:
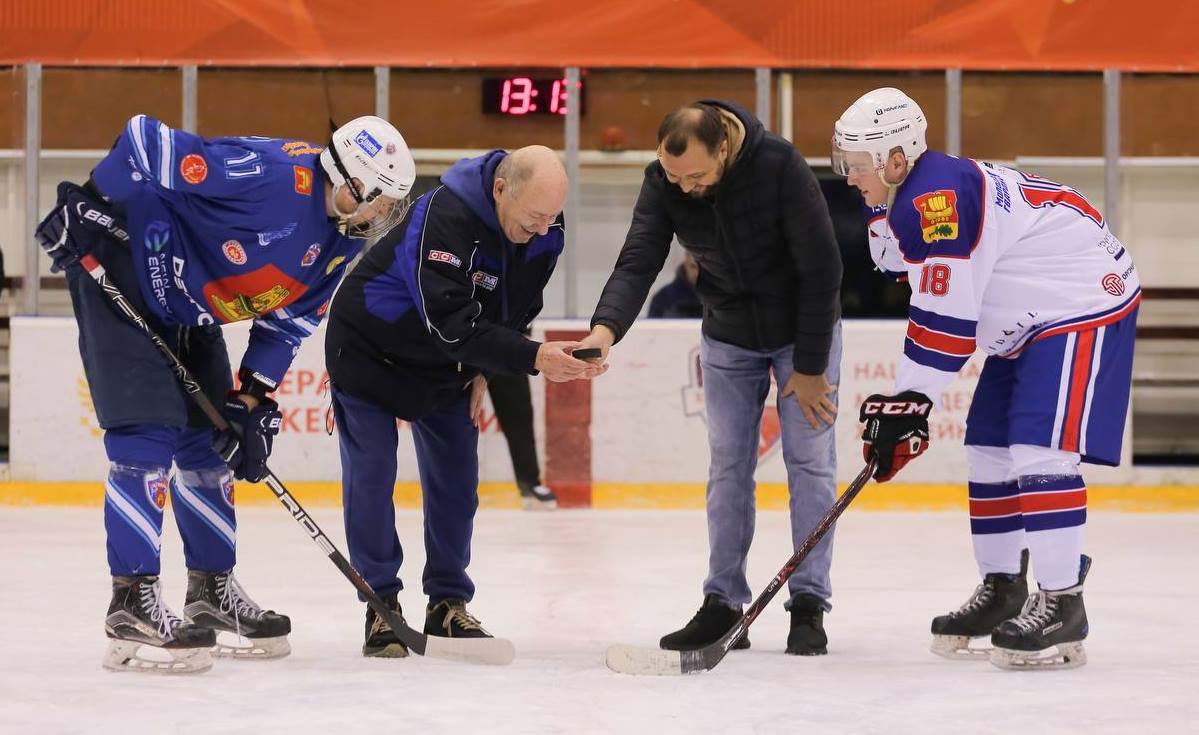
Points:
x=229, y=229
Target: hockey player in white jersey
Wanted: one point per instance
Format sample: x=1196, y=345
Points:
x=1026, y=270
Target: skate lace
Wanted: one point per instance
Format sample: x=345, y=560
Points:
x=156, y=608
x=1038, y=610
x=981, y=597
x=458, y=614
x=235, y=601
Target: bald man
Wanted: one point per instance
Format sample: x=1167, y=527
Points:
x=434, y=308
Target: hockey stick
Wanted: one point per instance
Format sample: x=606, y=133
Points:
x=497, y=651
x=655, y=662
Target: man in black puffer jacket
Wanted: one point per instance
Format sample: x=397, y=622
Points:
x=747, y=207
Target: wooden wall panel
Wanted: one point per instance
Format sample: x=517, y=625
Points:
x=1004, y=115
x=86, y=108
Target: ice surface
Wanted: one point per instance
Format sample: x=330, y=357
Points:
x=564, y=586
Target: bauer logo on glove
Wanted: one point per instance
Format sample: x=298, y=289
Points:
x=896, y=430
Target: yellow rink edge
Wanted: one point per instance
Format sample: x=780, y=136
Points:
x=624, y=496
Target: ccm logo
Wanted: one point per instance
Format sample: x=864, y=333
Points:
x=897, y=408
x=441, y=256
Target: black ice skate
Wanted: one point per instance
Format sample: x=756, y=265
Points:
x=998, y=598
x=380, y=640
x=1049, y=631
x=137, y=617
x=536, y=497
x=216, y=600
x=807, y=636
x=449, y=619
x=712, y=620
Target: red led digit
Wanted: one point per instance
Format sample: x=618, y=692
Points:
x=518, y=94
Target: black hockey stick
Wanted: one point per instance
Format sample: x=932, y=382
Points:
x=655, y=662
x=471, y=650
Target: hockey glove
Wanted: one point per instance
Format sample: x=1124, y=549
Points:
x=78, y=218
x=896, y=430
x=246, y=444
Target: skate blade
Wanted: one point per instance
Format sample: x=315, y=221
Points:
x=391, y=650
x=490, y=651
x=535, y=504
x=1062, y=656
x=644, y=661
x=231, y=645
x=126, y=656
x=957, y=648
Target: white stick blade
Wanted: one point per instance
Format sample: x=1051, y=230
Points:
x=491, y=651
x=644, y=661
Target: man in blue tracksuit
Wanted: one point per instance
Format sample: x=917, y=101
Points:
x=435, y=307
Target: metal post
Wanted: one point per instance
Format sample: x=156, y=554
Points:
x=189, y=98
x=382, y=91
x=953, y=112
x=786, y=122
x=572, y=191
x=1111, y=146
x=33, y=150
x=762, y=85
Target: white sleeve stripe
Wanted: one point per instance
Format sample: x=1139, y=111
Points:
x=165, y=156
x=139, y=143
x=420, y=263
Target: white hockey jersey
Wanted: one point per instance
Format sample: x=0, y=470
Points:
x=996, y=259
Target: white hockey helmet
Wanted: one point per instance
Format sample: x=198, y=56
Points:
x=877, y=123
x=370, y=149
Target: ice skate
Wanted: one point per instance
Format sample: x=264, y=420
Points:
x=537, y=497
x=998, y=598
x=216, y=600
x=449, y=619
x=1048, y=633
x=379, y=640
x=146, y=636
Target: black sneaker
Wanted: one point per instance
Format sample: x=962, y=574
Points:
x=217, y=600
x=807, y=636
x=998, y=598
x=379, y=639
x=712, y=620
x=1049, y=631
x=449, y=619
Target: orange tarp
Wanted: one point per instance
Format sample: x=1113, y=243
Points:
x=1140, y=35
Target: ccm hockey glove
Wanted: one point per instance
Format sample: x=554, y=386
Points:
x=896, y=430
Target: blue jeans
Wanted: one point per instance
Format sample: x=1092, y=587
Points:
x=736, y=382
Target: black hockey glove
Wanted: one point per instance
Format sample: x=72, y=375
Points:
x=78, y=218
x=896, y=430
x=246, y=444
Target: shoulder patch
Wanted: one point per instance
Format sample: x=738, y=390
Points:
x=441, y=256
x=939, y=218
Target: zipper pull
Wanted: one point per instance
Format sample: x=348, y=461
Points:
x=459, y=367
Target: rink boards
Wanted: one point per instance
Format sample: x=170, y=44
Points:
x=636, y=437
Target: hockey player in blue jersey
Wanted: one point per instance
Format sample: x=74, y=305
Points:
x=1028, y=271
x=199, y=233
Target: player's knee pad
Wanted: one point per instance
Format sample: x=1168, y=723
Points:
x=990, y=465
x=1029, y=460
x=141, y=445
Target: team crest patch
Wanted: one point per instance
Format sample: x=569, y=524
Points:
x=485, y=280
x=310, y=256
x=193, y=168
x=333, y=264
x=227, y=490
x=441, y=256
x=234, y=252
x=1113, y=284
x=303, y=180
x=156, y=489
x=938, y=214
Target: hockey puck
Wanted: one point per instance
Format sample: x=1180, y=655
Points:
x=588, y=353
